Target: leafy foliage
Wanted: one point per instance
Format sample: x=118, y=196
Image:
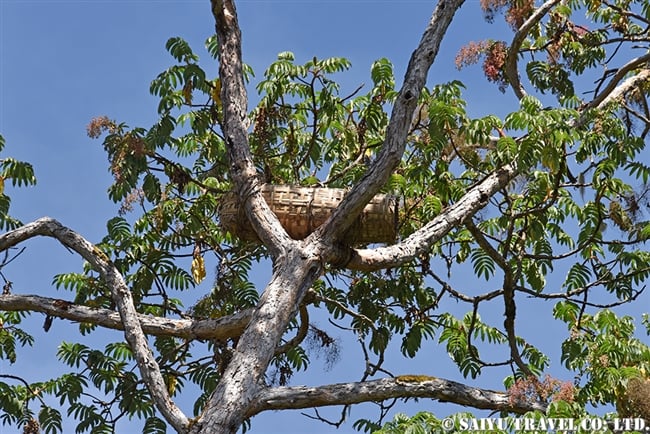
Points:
x=21, y=174
x=574, y=216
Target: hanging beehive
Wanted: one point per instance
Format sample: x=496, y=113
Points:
x=303, y=209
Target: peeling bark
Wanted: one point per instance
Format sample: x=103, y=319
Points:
x=234, y=100
x=241, y=392
x=296, y=265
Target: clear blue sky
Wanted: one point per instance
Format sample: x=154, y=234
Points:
x=64, y=62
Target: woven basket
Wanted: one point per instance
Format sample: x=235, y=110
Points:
x=303, y=209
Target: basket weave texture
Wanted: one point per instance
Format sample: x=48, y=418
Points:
x=303, y=209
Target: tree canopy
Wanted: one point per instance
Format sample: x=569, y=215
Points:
x=482, y=212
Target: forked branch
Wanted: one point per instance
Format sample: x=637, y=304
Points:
x=234, y=98
x=421, y=241
x=398, y=126
x=121, y=294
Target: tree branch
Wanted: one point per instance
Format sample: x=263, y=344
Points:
x=512, y=71
x=303, y=329
x=420, y=241
x=475, y=199
x=221, y=328
x=394, y=144
x=296, y=264
x=613, y=90
x=133, y=333
x=234, y=99
x=293, y=275
x=407, y=386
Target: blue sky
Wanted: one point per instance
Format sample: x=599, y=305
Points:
x=64, y=62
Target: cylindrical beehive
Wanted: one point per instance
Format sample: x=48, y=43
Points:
x=303, y=209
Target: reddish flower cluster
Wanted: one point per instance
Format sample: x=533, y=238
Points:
x=99, y=125
x=495, y=53
x=135, y=196
x=495, y=59
x=517, y=13
x=491, y=7
x=532, y=389
x=471, y=53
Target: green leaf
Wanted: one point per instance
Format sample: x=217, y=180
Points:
x=484, y=265
x=19, y=172
x=212, y=45
x=118, y=229
x=381, y=71
x=154, y=425
x=50, y=420
x=180, y=50
x=151, y=188
x=72, y=354
x=577, y=277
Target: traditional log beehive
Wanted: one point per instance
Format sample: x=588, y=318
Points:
x=303, y=209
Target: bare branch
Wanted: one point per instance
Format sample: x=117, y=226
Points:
x=613, y=91
x=34, y=393
x=343, y=307
x=508, y=295
x=303, y=329
x=509, y=322
x=486, y=246
x=406, y=386
x=221, y=328
x=420, y=241
x=512, y=70
x=133, y=333
x=398, y=127
x=234, y=98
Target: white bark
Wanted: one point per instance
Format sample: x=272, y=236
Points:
x=615, y=91
x=296, y=265
x=422, y=240
x=133, y=333
x=398, y=127
x=220, y=328
x=293, y=276
x=412, y=386
x=234, y=100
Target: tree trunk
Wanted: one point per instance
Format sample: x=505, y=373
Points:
x=294, y=273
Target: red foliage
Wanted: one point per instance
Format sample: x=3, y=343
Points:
x=519, y=12
x=491, y=7
x=494, y=53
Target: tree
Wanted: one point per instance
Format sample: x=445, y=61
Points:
x=555, y=184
